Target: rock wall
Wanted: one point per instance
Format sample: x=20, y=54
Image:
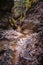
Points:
x=24, y=47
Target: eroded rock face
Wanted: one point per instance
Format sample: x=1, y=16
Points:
x=18, y=48
x=21, y=49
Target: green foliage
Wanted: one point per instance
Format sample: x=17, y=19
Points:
x=28, y=3
x=23, y=5
x=20, y=8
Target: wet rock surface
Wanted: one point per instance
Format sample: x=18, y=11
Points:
x=23, y=47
